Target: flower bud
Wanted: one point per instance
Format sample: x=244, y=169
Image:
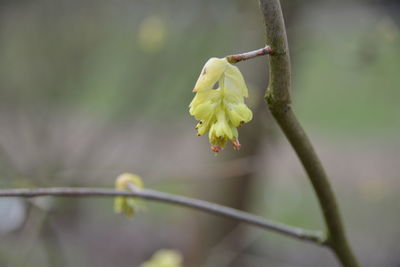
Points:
x=127, y=205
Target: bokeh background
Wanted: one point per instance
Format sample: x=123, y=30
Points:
x=91, y=89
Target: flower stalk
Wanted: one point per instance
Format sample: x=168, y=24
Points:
x=267, y=50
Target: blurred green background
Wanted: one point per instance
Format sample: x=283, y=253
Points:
x=91, y=89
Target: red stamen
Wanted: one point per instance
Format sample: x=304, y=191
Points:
x=216, y=148
x=236, y=144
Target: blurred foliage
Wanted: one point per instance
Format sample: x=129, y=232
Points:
x=95, y=55
x=86, y=93
x=347, y=78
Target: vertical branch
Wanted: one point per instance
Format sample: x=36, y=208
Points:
x=278, y=100
x=279, y=61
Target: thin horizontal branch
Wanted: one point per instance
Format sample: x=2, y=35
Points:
x=249, y=55
x=298, y=233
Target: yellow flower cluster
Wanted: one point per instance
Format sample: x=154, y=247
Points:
x=220, y=111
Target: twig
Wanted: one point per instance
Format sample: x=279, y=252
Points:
x=298, y=233
x=249, y=55
x=278, y=99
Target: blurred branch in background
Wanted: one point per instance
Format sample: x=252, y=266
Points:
x=30, y=234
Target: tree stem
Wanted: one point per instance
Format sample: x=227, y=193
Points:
x=278, y=100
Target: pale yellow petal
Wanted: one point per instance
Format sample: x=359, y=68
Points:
x=234, y=83
x=203, y=127
x=210, y=74
x=203, y=111
x=238, y=113
x=234, y=133
x=216, y=140
x=215, y=96
x=222, y=129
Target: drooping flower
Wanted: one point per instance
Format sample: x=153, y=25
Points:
x=220, y=111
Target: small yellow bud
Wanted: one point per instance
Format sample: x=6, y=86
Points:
x=122, y=181
x=164, y=258
x=223, y=109
x=127, y=205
